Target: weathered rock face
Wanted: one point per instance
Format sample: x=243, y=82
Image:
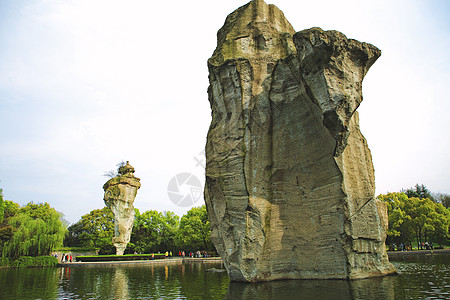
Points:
x=120, y=192
x=289, y=176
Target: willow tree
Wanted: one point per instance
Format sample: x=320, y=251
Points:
x=2, y=206
x=38, y=230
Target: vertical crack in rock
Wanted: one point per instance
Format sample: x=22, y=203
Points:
x=289, y=177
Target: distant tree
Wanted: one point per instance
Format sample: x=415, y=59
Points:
x=442, y=198
x=397, y=231
x=10, y=209
x=412, y=218
x=2, y=207
x=94, y=230
x=194, y=232
x=419, y=191
x=37, y=231
x=154, y=231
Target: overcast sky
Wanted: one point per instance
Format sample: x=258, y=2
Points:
x=86, y=84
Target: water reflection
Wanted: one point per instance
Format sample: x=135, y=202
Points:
x=168, y=281
x=120, y=284
x=420, y=278
x=379, y=288
x=24, y=283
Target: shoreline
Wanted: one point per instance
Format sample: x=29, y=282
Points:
x=178, y=260
x=392, y=254
x=175, y=260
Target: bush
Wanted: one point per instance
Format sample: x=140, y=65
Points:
x=4, y=262
x=28, y=261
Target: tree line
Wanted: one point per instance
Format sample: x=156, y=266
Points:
x=38, y=229
x=417, y=216
x=153, y=231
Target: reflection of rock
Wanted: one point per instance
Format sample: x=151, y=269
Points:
x=214, y=270
x=374, y=288
x=120, y=192
x=289, y=176
x=119, y=285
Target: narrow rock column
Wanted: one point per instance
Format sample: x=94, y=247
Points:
x=120, y=193
x=289, y=177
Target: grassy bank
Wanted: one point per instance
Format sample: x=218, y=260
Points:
x=28, y=261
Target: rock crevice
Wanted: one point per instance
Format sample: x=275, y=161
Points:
x=289, y=176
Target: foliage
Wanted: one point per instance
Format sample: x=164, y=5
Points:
x=4, y=262
x=6, y=231
x=412, y=218
x=94, y=230
x=194, y=230
x=10, y=209
x=37, y=229
x=114, y=173
x=28, y=261
x=2, y=206
x=442, y=198
x=419, y=191
x=153, y=231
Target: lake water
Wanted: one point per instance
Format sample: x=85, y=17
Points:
x=421, y=277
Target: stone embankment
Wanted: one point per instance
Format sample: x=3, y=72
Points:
x=174, y=260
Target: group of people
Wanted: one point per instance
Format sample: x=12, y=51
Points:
x=408, y=247
x=65, y=257
x=426, y=246
x=192, y=254
x=181, y=253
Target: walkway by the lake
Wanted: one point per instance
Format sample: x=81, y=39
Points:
x=173, y=260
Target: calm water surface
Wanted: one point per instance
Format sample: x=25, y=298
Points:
x=421, y=277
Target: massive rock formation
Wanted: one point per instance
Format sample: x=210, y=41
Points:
x=289, y=176
x=120, y=192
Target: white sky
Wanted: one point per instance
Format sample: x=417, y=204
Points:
x=85, y=84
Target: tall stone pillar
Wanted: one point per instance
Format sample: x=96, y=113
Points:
x=289, y=176
x=120, y=193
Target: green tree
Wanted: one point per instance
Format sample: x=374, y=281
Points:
x=95, y=229
x=10, y=209
x=194, y=232
x=2, y=207
x=419, y=191
x=397, y=231
x=154, y=231
x=412, y=218
x=37, y=231
x=442, y=198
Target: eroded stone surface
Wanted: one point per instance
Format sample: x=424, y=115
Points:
x=120, y=193
x=289, y=176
